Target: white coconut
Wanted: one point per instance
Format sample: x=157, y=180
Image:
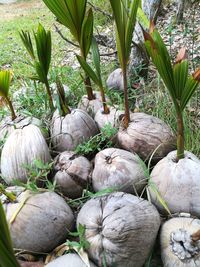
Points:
x=121, y=229
x=118, y=169
x=22, y=147
x=177, y=245
x=70, y=131
x=41, y=224
x=145, y=135
x=91, y=106
x=112, y=118
x=72, y=173
x=115, y=80
x=178, y=183
x=69, y=260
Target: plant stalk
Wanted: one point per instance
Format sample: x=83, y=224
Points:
x=105, y=107
x=49, y=95
x=88, y=88
x=180, y=136
x=126, y=105
x=14, y=116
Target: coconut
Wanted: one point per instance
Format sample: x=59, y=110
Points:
x=112, y=118
x=115, y=80
x=178, y=183
x=22, y=147
x=121, y=229
x=91, y=106
x=31, y=264
x=41, y=221
x=70, y=131
x=180, y=245
x=72, y=173
x=146, y=135
x=118, y=169
x=69, y=260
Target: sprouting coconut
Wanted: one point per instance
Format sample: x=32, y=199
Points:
x=118, y=169
x=69, y=260
x=22, y=147
x=72, y=173
x=146, y=135
x=69, y=128
x=180, y=242
x=175, y=179
x=121, y=229
x=38, y=222
x=115, y=80
x=81, y=28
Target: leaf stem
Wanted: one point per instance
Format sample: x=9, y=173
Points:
x=180, y=135
x=105, y=107
x=49, y=95
x=14, y=116
x=88, y=88
x=126, y=105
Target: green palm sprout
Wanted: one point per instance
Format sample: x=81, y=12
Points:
x=73, y=15
x=125, y=12
x=95, y=76
x=180, y=85
x=7, y=256
x=5, y=79
x=41, y=61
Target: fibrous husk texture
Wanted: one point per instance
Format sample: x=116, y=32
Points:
x=178, y=183
x=42, y=223
x=91, y=106
x=73, y=129
x=72, y=173
x=121, y=229
x=7, y=126
x=118, y=169
x=22, y=147
x=115, y=80
x=69, y=260
x=112, y=118
x=145, y=134
x=177, y=246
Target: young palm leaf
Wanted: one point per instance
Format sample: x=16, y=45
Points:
x=96, y=77
x=41, y=62
x=125, y=13
x=62, y=105
x=72, y=14
x=7, y=256
x=5, y=79
x=175, y=77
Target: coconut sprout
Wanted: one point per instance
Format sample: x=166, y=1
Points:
x=41, y=61
x=179, y=84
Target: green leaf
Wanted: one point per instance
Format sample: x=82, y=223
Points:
x=5, y=79
x=189, y=89
x=86, y=67
x=26, y=39
x=142, y=18
x=86, y=33
x=96, y=59
x=180, y=71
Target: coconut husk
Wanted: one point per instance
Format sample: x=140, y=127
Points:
x=147, y=135
x=118, y=169
x=115, y=80
x=121, y=229
x=72, y=173
x=70, y=131
x=22, y=147
x=178, y=183
x=177, y=245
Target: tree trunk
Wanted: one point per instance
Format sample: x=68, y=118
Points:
x=181, y=7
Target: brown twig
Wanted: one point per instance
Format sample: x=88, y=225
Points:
x=100, y=10
x=63, y=37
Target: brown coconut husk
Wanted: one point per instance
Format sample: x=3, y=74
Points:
x=72, y=173
x=178, y=183
x=147, y=135
x=118, y=169
x=115, y=80
x=121, y=229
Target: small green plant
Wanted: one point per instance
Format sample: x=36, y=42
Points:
x=5, y=79
x=7, y=256
x=73, y=15
x=42, y=61
x=83, y=244
x=180, y=86
x=96, y=77
x=125, y=13
x=98, y=142
x=61, y=101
